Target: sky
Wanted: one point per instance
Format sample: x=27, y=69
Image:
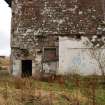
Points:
x=5, y=27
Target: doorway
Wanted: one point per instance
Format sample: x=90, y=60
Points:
x=26, y=68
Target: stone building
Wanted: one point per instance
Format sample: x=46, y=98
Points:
x=55, y=36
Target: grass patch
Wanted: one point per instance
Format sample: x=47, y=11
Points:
x=28, y=91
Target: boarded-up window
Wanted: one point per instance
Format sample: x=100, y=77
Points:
x=50, y=54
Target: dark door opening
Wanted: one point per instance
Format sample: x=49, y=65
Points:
x=26, y=68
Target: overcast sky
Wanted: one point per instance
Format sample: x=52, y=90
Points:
x=5, y=25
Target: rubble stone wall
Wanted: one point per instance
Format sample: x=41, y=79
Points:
x=38, y=23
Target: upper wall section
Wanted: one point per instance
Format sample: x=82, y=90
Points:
x=58, y=17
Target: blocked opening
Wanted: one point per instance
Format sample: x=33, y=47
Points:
x=50, y=54
x=26, y=68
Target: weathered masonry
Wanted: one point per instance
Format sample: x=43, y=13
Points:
x=57, y=36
